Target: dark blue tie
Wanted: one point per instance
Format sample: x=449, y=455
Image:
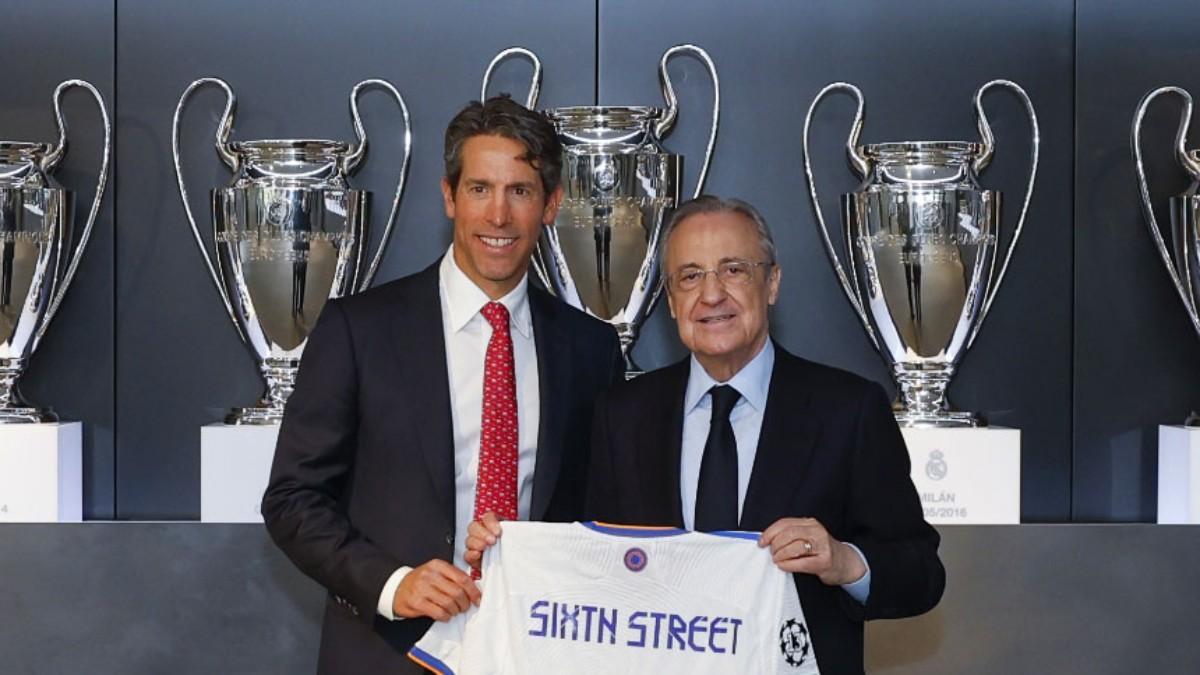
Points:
x=717, y=490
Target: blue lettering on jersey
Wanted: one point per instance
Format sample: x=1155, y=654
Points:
x=644, y=629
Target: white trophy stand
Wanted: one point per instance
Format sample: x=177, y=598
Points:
x=235, y=463
x=1179, y=475
x=41, y=473
x=967, y=476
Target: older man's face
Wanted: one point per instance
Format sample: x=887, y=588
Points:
x=722, y=322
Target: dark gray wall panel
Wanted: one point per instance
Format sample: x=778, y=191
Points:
x=189, y=598
x=153, y=598
x=1137, y=361
x=73, y=368
x=918, y=65
x=1053, y=599
x=292, y=67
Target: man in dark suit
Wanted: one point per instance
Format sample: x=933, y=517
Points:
x=743, y=435
x=432, y=400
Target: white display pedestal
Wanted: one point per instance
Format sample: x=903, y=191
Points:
x=1178, y=475
x=967, y=476
x=41, y=473
x=235, y=463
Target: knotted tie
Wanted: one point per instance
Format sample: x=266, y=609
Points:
x=717, y=489
x=496, y=482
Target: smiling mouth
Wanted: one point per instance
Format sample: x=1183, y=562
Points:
x=497, y=243
x=718, y=319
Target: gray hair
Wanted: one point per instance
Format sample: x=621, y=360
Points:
x=715, y=204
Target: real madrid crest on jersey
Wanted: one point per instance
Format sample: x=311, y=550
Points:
x=793, y=642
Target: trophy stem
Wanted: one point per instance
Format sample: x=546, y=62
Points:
x=627, y=334
x=280, y=375
x=922, y=400
x=14, y=410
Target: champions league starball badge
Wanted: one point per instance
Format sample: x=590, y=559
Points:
x=793, y=642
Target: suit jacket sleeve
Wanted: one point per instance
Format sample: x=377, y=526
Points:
x=304, y=506
x=888, y=524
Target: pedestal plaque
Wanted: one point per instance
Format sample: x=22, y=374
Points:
x=235, y=463
x=967, y=476
x=41, y=473
x=1179, y=475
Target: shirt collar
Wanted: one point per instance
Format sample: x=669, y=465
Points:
x=464, y=299
x=752, y=381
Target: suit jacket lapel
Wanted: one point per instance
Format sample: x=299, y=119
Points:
x=420, y=344
x=785, y=444
x=660, y=451
x=554, y=375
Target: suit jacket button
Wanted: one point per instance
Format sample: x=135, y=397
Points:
x=450, y=538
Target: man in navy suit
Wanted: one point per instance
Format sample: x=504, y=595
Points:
x=743, y=435
x=425, y=402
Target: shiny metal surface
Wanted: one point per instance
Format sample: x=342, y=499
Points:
x=290, y=233
x=37, y=263
x=620, y=185
x=921, y=238
x=1182, y=260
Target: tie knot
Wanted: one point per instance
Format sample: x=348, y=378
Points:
x=497, y=315
x=724, y=397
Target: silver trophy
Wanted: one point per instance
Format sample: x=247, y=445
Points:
x=921, y=239
x=290, y=233
x=620, y=185
x=37, y=262
x=1184, y=267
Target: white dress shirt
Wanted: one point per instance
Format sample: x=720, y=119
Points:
x=466, y=334
x=753, y=382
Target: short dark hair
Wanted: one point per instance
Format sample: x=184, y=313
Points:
x=715, y=204
x=502, y=116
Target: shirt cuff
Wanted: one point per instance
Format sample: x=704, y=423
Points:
x=387, y=597
x=859, y=590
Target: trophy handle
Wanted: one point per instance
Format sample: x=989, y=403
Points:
x=356, y=156
x=985, y=130
x=226, y=155
x=52, y=158
x=535, y=86
x=663, y=126
x=1192, y=167
x=859, y=163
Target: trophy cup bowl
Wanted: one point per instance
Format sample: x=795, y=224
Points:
x=290, y=233
x=37, y=263
x=620, y=185
x=921, y=239
x=1182, y=259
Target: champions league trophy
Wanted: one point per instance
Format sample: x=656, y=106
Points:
x=921, y=240
x=36, y=260
x=620, y=185
x=290, y=233
x=1178, y=445
x=1184, y=268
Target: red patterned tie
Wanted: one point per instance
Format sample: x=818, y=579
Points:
x=496, y=483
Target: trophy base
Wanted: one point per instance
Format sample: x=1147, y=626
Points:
x=235, y=466
x=942, y=419
x=257, y=416
x=25, y=415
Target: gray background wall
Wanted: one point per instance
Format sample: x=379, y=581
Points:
x=1086, y=349
x=152, y=598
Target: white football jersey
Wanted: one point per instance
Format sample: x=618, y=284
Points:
x=585, y=598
